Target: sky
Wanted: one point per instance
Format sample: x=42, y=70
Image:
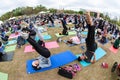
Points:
x=110, y=6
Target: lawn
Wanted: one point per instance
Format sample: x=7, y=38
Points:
x=16, y=68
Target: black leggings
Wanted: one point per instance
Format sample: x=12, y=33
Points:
x=39, y=48
x=90, y=40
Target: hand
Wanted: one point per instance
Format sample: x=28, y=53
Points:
x=93, y=61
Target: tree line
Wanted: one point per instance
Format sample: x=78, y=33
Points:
x=20, y=11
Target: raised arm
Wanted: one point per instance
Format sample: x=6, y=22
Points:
x=89, y=19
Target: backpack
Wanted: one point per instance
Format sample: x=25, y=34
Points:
x=69, y=71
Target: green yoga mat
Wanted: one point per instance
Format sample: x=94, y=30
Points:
x=72, y=33
x=3, y=76
x=44, y=33
x=10, y=48
x=69, y=33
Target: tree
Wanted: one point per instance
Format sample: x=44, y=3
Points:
x=27, y=10
x=80, y=12
x=39, y=8
x=69, y=11
x=52, y=10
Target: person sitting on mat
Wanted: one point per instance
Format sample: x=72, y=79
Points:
x=91, y=45
x=116, y=43
x=79, y=30
x=104, y=39
x=43, y=60
x=4, y=37
x=2, y=52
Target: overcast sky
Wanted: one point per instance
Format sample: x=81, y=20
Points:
x=111, y=6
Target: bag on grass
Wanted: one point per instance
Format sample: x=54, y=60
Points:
x=69, y=71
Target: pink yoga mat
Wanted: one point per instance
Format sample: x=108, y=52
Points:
x=113, y=49
x=48, y=45
x=75, y=39
x=13, y=36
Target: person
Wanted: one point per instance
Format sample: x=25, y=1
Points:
x=116, y=68
x=104, y=39
x=116, y=43
x=43, y=60
x=2, y=52
x=78, y=31
x=4, y=37
x=71, y=42
x=91, y=45
x=64, y=32
x=98, y=33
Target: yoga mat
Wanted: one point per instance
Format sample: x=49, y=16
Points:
x=57, y=35
x=13, y=36
x=112, y=49
x=3, y=76
x=84, y=33
x=8, y=56
x=45, y=37
x=72, y=33
x=57, y=60
x=99, y=54
x=44, y=33
x=48, y=45
x=69, y=33
x=10, y=48
x=11, y=42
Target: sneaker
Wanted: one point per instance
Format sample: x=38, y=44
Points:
x=114, y=67
x=18, y=46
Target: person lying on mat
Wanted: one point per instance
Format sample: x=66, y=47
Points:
x=71, y=41
x=91, y=45
x=116, y=43
x=43, y=60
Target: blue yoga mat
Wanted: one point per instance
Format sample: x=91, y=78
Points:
x=57, y=60
x=84, y=33
x=103, y=43
x=11, y=42
x=45, y=37
x=99, y=54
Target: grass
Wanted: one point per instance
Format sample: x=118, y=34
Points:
x=16, y=69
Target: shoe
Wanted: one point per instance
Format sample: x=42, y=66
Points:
x=114, y=67
x=18, y=46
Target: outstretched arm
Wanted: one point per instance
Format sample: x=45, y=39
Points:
x=94, y=58
x=89, y=19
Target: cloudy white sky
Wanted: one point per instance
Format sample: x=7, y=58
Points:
x=111, y=6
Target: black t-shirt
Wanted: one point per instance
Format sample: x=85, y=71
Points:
x=89, y=56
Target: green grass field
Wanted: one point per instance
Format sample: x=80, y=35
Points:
x=16, y=69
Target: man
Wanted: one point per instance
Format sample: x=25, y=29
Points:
x=43, y=60
x=116, y=43
x=91, y=45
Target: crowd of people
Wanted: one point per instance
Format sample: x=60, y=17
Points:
x=27, y=28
